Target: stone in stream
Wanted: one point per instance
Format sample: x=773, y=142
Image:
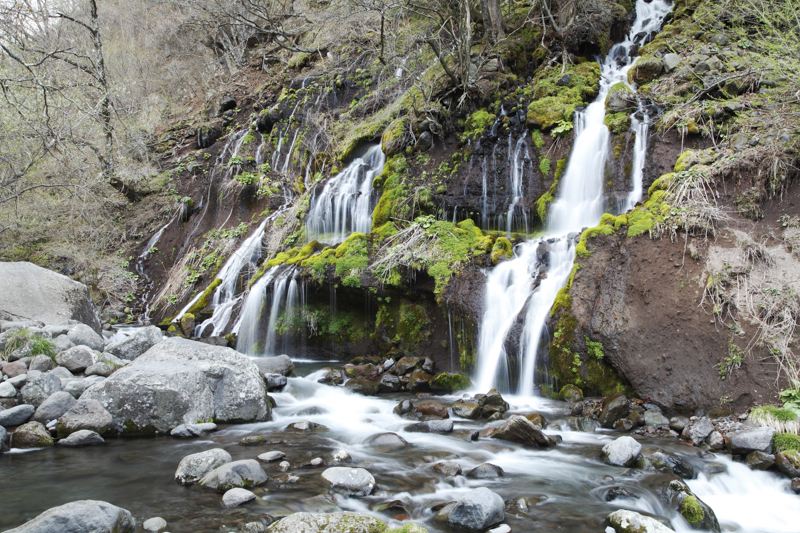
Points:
x=406, y=365
x=759, y=460
x=655, y=418
x=187, y=431
x=537, y=420
x=670, y=463
x=389, y=383
x=788, y=462
x=76, y=359
x=333, y=377
x=85, y=414
x=38, y=389
x=795, y=485
x=675, y=494
x=84, y=516
x=447, y=468
x=522, y=431
x=328, y=523
x=31, y=435
x=587, y=424
x=340, y=456
x=16, y=415
x=355, y=482
x=304, y=426
x=53, y=407
x=624, y=451
x=624, y=521
x=386, y=440
x=486, y=471
x=280, y=364
x=432, y=409
x=193, y=467
x=362, y=385
x=179, y=381
x=678, y=423
x=479, y=510
x=571, y=393
x=84, y=437
x=615, y=406
x=274, y=382
x=466, y=409
x=252, y=440
x=450, y=382
x=431, y=426
x=132, y=347
x=154, y=525
x=418, y=381
x=492, y=402
x=271, y=457
x=244, y=473
x=403, y=408
x=697, y=430
x=750, y=439
x=236, y=497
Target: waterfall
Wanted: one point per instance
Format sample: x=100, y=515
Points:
x=345, y=204
x=139, y=266
x=525, y=287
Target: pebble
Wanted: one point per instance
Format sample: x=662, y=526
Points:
x=154, y=525
x=271, y=457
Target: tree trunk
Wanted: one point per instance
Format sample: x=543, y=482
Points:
x=492, y=21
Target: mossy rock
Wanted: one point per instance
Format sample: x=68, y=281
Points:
x=646, y=69
x=783, y=442
x=620, y=98
x=502, y=249
x=692, y=511
x=187, y=324
x=557, y=94
x=571, y=393
x=450, y=382
x=618, y=123
x=205, y=298
x=394, y=138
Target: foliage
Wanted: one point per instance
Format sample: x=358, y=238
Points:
x=595, y=349
x=558, y=92
x=782, y=420
x=37, y=344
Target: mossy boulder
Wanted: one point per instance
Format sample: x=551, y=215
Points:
x=502, y=249
x=395, y=137
x=450, y=382
x=187, y=324
x=646, y=69
x=557, y=94
x=618, y=122
x=675, y=494
x=620, y=98
x=31, y=435
x=571, y=393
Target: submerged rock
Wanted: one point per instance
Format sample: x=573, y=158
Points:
x=244, y=473
x=343, y=522
x=624, y=521
x=193, y=467
x=154, y=525
x=355, y=482
x=479, y=510
x=486, y=471
x=386, y=440
x=447, y=468
x=84, y=516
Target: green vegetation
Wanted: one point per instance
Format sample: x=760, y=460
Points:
x=37, y=344
x=595, y=349
x=477, y=124
x=547, y=198
x=502, y=249
x=782, y=442
x=450, y=382
x=205, y=298
x=691, y=510
x=556, y=94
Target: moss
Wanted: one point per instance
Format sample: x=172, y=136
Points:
x=556, y=95
x=205, y=298
x=563, y=301
x=691, y=510
x=456, y=244
x=544, y=201
x=349, y=259
x=537, y=138
x=450, y=382
x=645, y=69
x=618, y=122
x=544, y=166
x=394, y=198
x=591, y=233
x=785, y=441
x=393, y=138
x=408, y=528
x=502, y=249
x=354, y=135
x=477, y=123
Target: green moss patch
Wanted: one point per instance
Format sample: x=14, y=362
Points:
x=691, y=510
x=785, y=441
x=557, y=94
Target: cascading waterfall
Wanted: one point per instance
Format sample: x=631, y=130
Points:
x=525, y=287
x=345, y=204
x=139, y=266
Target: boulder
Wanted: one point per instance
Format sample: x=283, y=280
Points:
x=645, y=69
x=671, y=62
x=419, y=381
x=353, y=482
x=431, y=426
x=274, y=382
x=280, y=364
x=85, y=414
x=522, y=431
x=77, y=386
x=132, y=347
x=31, y=435
x=179, y=381
x=244, y=473
x=486, y=471
x=447, y=468
x=450, y=382
x=788, y=462
x=759, y=460
x=676, y=495
x=62, y=343
x=715, y=440
x=7, y=390
x=389, y=383
x=154, y=525
x=303, y=426
x=54, y=406
x=365, y=386
x=102, y=369
x=236, y=497
x=479, y=510
x=624, y=451
x=624, y=521
x=697, y=430
x=466, y=409
x=40, y=388
x=571, y=393
x=193, y=467
x=751, y=439
x=343, y=522
x=386, y=440
x=615, y=406
x=492, y=402
x=84, y=516
x=16, y=415
x=403, y=408
x=406, y=365
x=670, y=463
x=14, y=369
x=432, y=409
x=81, y=334
x=84, y=437
x=30, y=292
x=678, y=423
x=76, y=359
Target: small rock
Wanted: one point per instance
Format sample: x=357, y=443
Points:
x=353, y=482
x=759, y=460
x=795, y=485
x=389, y=383
x=715, y=440
x=447, y=468
x=313, y=463
x=571, y=393
x=42, y=363
x=522, y=431
x=340, y=456
x=787, y=462
x=274, y=382
x=271, y=457
x=624, y=424
x=154, y=525
x=84, y=437
x=280, y=364
x=193, y=467
x=624, y=521
x=304, y=426
x=470, y=410
x=75, y=359
x=31, y=435
x=671, y=61
x=678, y=423
x=186, y=431
x=698, y=430
x=432, y=409
x=479, y=510
x=85, y=414
x=283, y=466
x=624, y=451
x=486, y=471
x=615, y=406
x=418, y=381
x=7, y=390
x=752, y=439
x=16, y=415
x=403, y=408
x=236, y=497
x=492, y=402
x=3, y=439
x=252, y=440
x=17, y=368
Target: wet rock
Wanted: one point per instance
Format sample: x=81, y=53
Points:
x=751, y=439
x=3, y=439
x=788, y=462
x=678, y=423
x=522, y=431
x=83, y=516
x=479, y=510
x=313, y=463
x=194, y=467
x=42, y=363
x=252, y=440
x=615, y=493
x=715, y=440
x=711, y=469
x=236, y=497
x=447, y=468
x=431, y=426
x=389, y=383
x=615, y=406
x=352, y=482
x=38, y=389
x=429, y=365
x=16, y=415
x=795, y=485
x=304, y=426
x=624, y=451
x=386, y=440
x=84, y=437
x=676, y=495
x=587, y=424
x=624, y=424
x=53, y=407
x=188, y=431
x=760, y=460
x=571, y=393
x=179, y=381
x=432, y=409
x=280, y=364
x=698, y=430
x=132, y=347
x=492, y=402
x=418, y=381
x=537, y=420
x=154, y=525
x=244, y=473
x=85, y=414
x=450, y=382
x=465, y=409
x=517, y=506
x=669, y=463
x=340, y=456
x=406, y=365
x=403, y=408
x=624, y=521
x=655, y=418
x=365, y=386
x=486, y=471
x=274, y=382
x=31, y=435
x=328, y=523
x=271, y=457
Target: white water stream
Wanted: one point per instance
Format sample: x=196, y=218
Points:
x=579, y=204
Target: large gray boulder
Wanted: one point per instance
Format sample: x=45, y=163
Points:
x=280, y=364
x=76, y=359
x=16, y=415
x=624, y=521
x=84, y=516
x=30, y=292
x=40, y=388
x=83, y=335
x=356, y=482
x=344, y=522
x=244, y=473
x=179, y=381
x=85, y=414
x=193, y=467
x=142, y=340
x=53, y=407
x=749, y=440
x=624, y=451
x=479, y=510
